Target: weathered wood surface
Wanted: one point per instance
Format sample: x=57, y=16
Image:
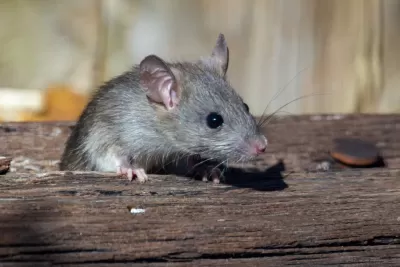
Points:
x=284, y=214
x=301, y=141
x=350, y=217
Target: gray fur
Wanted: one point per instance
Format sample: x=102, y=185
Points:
x=120, y=121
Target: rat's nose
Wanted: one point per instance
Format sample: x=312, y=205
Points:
x=259, y=145
x=260, y=148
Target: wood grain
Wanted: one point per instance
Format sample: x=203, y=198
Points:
x=349, y=217
x=281, y=213
x=300, y=141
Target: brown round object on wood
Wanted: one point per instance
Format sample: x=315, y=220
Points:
x=354, y=152
x=4, y=164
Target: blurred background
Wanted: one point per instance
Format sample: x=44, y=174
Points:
x=336, y=56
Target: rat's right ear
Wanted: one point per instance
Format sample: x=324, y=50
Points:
x=159, y=82
x=219, y=58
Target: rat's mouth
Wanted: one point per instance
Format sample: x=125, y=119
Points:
x=238, y=157
x=247, y=151
x=235, y=159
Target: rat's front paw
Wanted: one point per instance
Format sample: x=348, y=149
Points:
x=125, y=168
x=139, y=173
x=210, y=173
x=205, y=170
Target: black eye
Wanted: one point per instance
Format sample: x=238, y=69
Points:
x=214, y=120
x=246, y=107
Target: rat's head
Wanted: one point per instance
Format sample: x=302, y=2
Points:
x=197, y=108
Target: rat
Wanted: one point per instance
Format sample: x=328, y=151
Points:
x=160, y=111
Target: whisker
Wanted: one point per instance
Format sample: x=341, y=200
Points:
x=215, y=167
x=283, y=89
x=165, y=156
x=278, y=117
x=290, y=102
x=201, y=162
x=218, y=165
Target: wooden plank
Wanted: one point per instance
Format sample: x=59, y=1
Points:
x=307, y=219
x=281, y=213
x=300, y=141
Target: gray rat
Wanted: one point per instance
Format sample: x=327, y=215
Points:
x=160, y=111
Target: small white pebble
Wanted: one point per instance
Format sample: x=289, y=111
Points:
x=316, y=118
x=381, y=144
x=56, y=132
x=324, y=166
x=136, y=211
x=338, y=117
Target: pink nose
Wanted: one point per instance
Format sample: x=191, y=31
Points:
x=259, y=146
x=260, y=149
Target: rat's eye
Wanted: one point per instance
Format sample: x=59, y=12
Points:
x=214, y=120
x=246, y=107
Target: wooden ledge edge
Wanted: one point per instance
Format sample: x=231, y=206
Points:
x=350, y=174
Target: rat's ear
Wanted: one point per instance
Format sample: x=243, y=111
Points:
x=219, y=58
x=159, y=82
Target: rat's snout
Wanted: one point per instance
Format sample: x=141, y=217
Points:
x=258, y=145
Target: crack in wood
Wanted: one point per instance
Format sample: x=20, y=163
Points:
x=187, y=256
x=375, y=241
x=7, y=129
x=193, y=256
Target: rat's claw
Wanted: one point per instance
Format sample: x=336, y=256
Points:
x=130, y=173
x=204, y=171
x=213, y=173
x=141, y=175
x=215, y=176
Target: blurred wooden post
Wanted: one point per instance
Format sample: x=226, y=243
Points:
x=368, y=61
x=344, y=53
x=100, y=55
x=349, y=56
x=279, y=54
x=389, y=101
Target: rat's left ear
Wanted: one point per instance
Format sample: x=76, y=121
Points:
x=219, y=58
x=159, y=82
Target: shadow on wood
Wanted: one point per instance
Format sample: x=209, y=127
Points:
x=82, y=219
x=23, y=238
x=270, y=179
